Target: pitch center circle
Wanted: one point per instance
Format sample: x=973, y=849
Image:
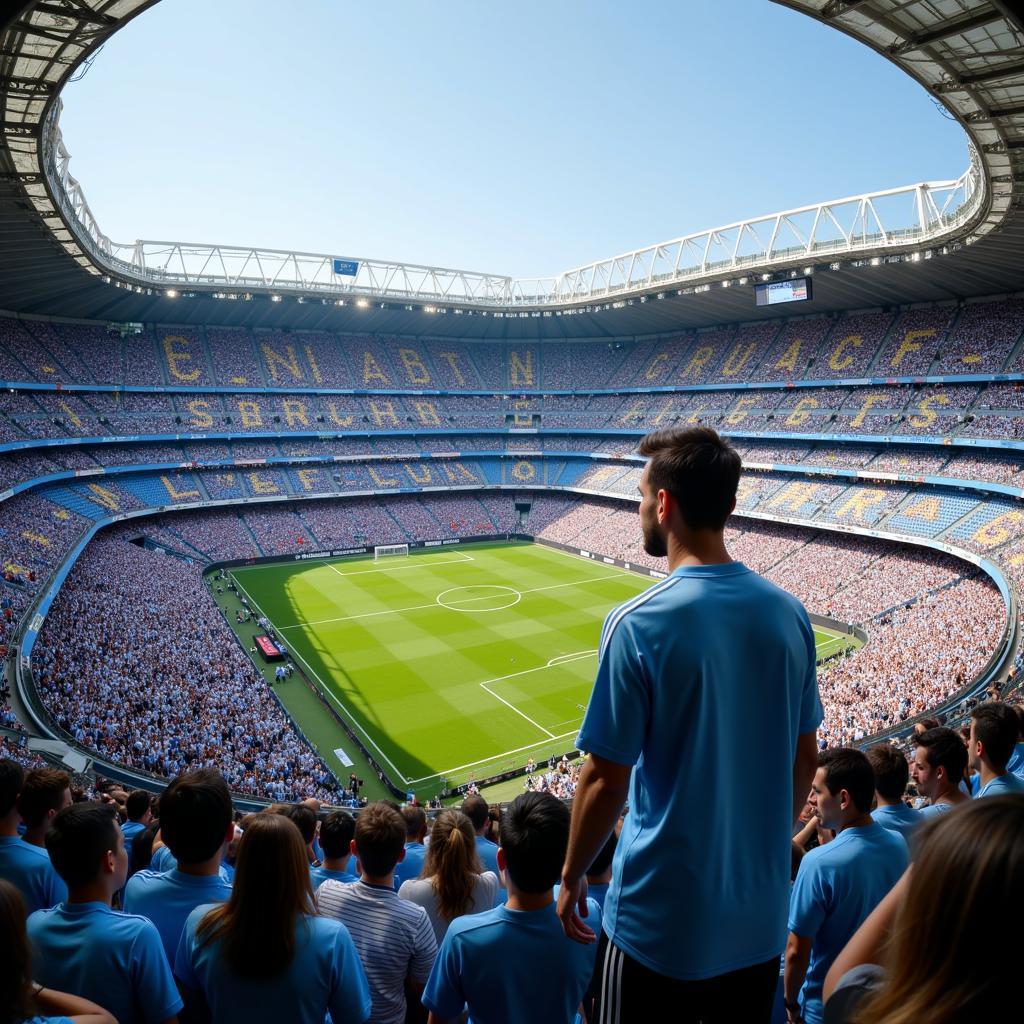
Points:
x=485, y=597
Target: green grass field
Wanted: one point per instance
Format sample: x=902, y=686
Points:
x=451, y=663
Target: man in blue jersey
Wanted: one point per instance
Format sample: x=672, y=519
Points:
x=475, y=808
x=82, y=946
x=838, y=884
x=44, y=792
x=139, y=808
x=940, y=760
x=994, y=731
x=25, y=866
x=415, y=848
x=196, y=823
x=704, y=714
x=892, y=773
x=514, y=963
x=336, y=835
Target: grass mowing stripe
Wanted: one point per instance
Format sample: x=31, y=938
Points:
x=329, y=693
x=402, y=678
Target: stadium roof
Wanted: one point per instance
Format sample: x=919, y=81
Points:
x=963, y=238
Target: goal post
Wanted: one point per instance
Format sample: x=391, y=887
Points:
x=389, y=551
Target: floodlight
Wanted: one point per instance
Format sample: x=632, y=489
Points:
x=171, y=293
x=362, y=303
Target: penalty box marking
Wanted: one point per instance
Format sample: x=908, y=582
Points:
x=563, y=659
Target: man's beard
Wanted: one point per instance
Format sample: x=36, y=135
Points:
x=654, y=543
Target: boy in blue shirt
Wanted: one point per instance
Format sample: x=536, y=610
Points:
x=994, y=731
x=336, y=834
x=415, y=849
x=840, y=883
x=892, y=773
x=25, y=866
x=82, y=946
x=515, y=963
x=196, y=824
x=139, y=808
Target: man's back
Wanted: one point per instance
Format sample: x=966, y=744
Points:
x=113, y=959
x=394, y=939
x=512, y=966
x=898, y=818
x=168, y=898
x=836, y=888
x=28, y=868
x=705, y=682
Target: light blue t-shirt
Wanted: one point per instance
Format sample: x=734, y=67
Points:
x=131, y=829
x=511, y=966
x=167, y=899
x=29, y=870
x=1001, y=785
x=114, y=959
x=902, y=819
x=162, y=860
x=837, y=886
x=325, y=975
x=488, y=853
x=932, y=810
x=412, y=864
x=317, y=876
x=1016, y=762
x=712, y=732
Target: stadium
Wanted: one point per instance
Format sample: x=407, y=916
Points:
x=305, y=518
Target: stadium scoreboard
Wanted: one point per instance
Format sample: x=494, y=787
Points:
x=796, y=290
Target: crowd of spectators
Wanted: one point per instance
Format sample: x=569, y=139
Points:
x=137, y=664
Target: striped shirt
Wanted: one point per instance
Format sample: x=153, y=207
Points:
x=394, y=939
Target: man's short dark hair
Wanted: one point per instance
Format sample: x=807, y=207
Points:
x=944, y=748
x=892, y=773
x=415, y=821
x=997, y=727
x=337, y=831
x=41, y=792
x=475, y=808
x=195, y=812
x=849, y=769
x=698, y=468
x=12, y=775
x=304, y=818
x=138, y=802
x=535, y=836
x=380, y=838
x=78, y=839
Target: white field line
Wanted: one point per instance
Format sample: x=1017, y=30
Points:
x=521, y=714
x=562, y=659
x=329, y=693
x=400, y=568
x=433, y=604
x=488, y=760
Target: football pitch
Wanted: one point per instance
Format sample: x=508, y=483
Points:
x=450, y=663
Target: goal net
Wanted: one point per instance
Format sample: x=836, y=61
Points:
x=389, y=550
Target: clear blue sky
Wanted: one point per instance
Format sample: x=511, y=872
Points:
x=520, y=138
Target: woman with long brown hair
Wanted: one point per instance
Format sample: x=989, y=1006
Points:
x=265, y=955
x=453, y=881
x=22, y=1002
x=946, y=938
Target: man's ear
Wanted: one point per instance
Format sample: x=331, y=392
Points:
x=501, y=859
x=665, y=506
